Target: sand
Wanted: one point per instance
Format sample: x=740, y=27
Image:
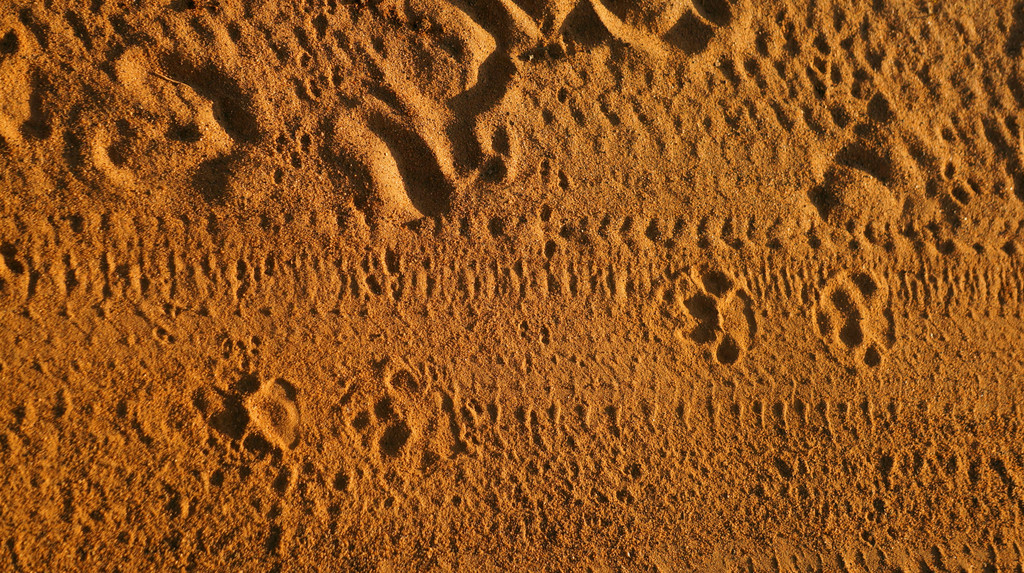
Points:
x=511, y=285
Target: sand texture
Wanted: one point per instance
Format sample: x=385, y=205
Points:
x=511, y=285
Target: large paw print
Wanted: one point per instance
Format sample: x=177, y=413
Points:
x=262, y=417
x=715, y=313
x=854, y=320
x=400, y=419
x=390, y=426
x=390, y=416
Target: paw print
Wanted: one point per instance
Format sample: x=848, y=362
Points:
x=399, y=417
x=260, y=416
x=717, y=314
x=854, y=320
x=391, y=417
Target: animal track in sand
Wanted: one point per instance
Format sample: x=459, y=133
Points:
x=855, y=320
x=274, y=413
x=659, y=26
x=259, y=416
x=408, y=155
x=713, y=311
x=394, y=417
x=401, y=419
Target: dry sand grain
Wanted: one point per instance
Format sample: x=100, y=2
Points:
x=511, y=285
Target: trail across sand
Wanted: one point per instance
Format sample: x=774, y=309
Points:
x=511, y=285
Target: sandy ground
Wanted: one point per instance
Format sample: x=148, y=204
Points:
x=511, y=285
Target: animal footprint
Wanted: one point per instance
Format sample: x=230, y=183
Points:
x=853, y=319
x=719, y=315
x=656, y=26
x=388, y=420
x=403, y=421
x=274, y=414
x=261, y=417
